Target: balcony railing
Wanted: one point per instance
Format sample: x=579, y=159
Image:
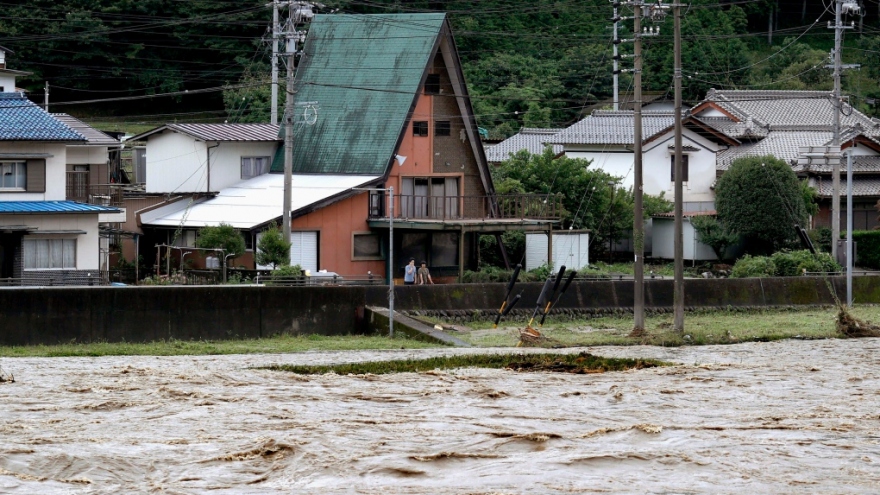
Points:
x=79, y=189
x=510, y=206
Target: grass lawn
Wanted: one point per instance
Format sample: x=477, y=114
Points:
x=197, y=348
x=704, y=327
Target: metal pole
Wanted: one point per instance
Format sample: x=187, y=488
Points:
x=391, y=263
x=275, y=61
x=638, y=214
x=616, y=76
x=835, y=107
x=850, y=252
x=288, y=136
x=45, y=97
x=678, y=284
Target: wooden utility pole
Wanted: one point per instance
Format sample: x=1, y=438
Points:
x=638, y=213
x=288, y=134
x=678, y=284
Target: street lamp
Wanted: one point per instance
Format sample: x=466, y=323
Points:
x=390, y=247
x=182, y=256
x=612, y=185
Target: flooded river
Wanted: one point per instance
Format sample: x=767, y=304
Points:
x=782, y=417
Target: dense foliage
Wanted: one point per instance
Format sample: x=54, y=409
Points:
x=714, y=234
x=760, y=199
x=539, y=63
x=224, y=237
x=784, y=264
x=272, y=248
x=867, y=248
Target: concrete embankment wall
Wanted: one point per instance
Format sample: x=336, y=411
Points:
x=138, y=314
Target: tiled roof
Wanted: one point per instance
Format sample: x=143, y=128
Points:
x=862, y=186
x=787, y=110
x=363, y=72
x=219, y=132
x=610, y=127
x=861, y=165
x=22, y=120
x=93, y=135
x=781, y=144
x=528, y=138
x=39, y=207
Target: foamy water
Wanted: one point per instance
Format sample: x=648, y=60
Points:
x=792, y=417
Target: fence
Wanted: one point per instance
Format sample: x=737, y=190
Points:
x=511, y=206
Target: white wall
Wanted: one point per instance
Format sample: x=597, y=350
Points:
x=8, y=83
x=692, y=249
x=87, y=245
x=615, y=160
x=56, y=176
x=176, y=163
x=87, y=155
x=571, y=250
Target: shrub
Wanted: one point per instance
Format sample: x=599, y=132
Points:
x=272, y=248
x=867, y=247
x=761, y=199
x=821, y=237
x=492, y=274
x=793, y=263
x=753, y=266
x=287, y=274
x=223, y=237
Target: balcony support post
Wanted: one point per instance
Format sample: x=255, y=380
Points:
x=461, y=254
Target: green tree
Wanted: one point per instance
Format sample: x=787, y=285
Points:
x=713, y=234
x=760, y=199
x=272, y=248
x=224, y=237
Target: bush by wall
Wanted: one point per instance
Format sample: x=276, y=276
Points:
x=491, y=274
x=867, y=248
x=783, y=264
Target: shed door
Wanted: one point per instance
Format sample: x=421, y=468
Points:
x=304, y=250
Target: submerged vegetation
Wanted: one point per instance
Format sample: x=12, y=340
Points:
x=567, y=363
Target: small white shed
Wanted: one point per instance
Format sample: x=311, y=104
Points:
x=570, y=248
x=664, y=238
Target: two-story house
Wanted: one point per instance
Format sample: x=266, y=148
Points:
x=391, y=113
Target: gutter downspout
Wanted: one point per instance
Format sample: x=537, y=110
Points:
x=208, y=164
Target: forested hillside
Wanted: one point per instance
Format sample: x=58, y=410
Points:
x=537, y=63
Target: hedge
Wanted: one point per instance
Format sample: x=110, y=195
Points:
x=783, y=264
x=867, y=247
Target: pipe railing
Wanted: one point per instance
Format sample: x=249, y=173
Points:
x=508, y=206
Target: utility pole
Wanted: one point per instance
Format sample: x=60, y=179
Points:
x=288, y=132
x=678, y=284
x=45, y=97
x=840, y=7
x=655, y=11
x=276, y=28
x=616, y=58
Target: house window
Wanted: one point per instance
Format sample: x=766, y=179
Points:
x=366, y=246
x=684, y=168
x=432, y=84
x=13, y=175
x=429, y=197
x=49, y=254
x=442, y=128
x=420, y=128
x=252, y=166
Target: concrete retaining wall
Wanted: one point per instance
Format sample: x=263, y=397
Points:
x=139, y=314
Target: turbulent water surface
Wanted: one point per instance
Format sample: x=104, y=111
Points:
x=782, y=417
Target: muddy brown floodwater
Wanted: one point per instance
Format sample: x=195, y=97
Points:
x=782, y=417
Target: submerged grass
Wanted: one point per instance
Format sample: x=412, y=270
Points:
x=568, y=363
x=280, y=344
x=701, y=327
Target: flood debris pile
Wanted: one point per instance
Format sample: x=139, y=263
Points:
x=583, y=362
x=852, y=327
x=6, y=377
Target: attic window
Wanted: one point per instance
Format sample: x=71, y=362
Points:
x=442, y=128
x=432, y=84
x=420, y=128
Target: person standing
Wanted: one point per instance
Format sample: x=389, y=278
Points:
x=424, y=276
x=409, y=273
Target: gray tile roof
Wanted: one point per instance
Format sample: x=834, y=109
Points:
x=528, y=138
x=861, y=165
x=862, y=186
x=219, y=132
x=784, y=145
x=22, y=120
x=92, y=135
x=609, y=127
x=787, y=110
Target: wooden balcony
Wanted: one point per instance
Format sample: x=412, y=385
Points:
x=79, y=189
x=510, y=207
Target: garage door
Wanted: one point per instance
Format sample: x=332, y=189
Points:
x=304, y=250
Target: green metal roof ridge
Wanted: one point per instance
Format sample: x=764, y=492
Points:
x=361, y=74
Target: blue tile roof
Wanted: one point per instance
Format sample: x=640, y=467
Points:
x=22, y=120
x=36, y=207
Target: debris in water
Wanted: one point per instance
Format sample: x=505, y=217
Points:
x=6, y=377
x=852, y=327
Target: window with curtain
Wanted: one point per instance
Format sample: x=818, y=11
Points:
x=252, y=166
x=49, y=254
x=13, y=175
x=430, y=197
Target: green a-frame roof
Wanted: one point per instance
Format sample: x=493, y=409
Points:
x=361, y=75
